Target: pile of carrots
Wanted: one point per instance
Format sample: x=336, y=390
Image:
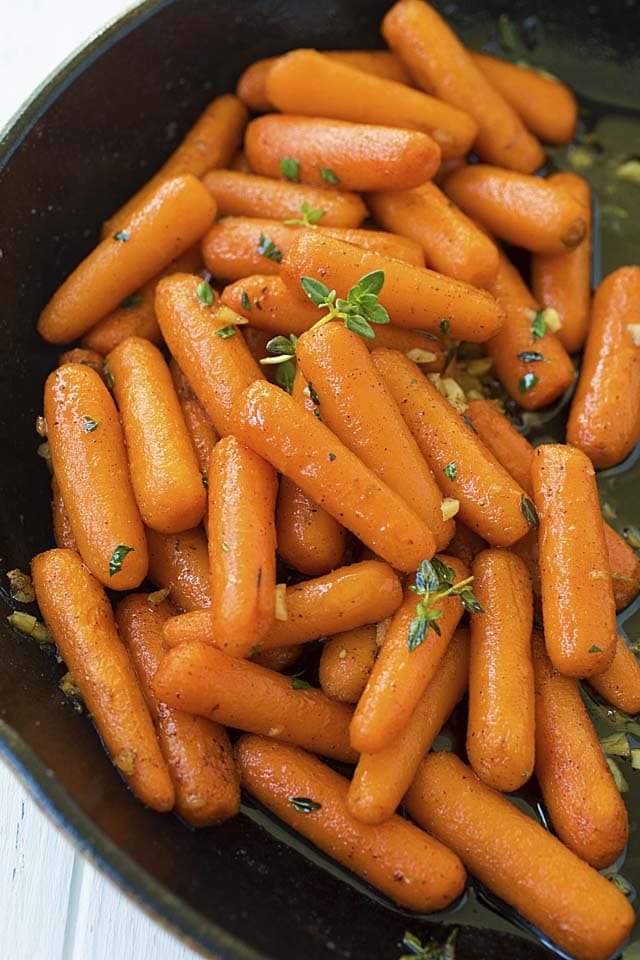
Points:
x=361, y=494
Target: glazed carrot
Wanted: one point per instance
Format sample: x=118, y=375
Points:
x=346, y=662
x=211, y=142
x=84, y=355
x=280, y=658
x=197, y=751
x=534, y=369
x=500, y=730
x=401, y=675
x=452, y=243
x=269, y=305
x=247, y=195
x=164, y=471
x=414, y=297
x=217, y=367
x=604, y=420
x=579, y=792
x=62, y=532
x=624, y=564
x=200, y=679
x=180, y=563
x=381, y=779
x=257, y=341
x=491, y=503
x=77, y=612
x=239, y=163
x=354, y=402
x=349, y=597
x=577, y=595
x=619, y=684
x=527, y=211
x=465, y=544
x=397, y=858
x=428, y=351
x=305, y=450
x=204, y=435
x=242, y=547
x=89, y=461
x=309, y=539
x=173, y=217
x=519, y=861
x=354, y=156
x=440, y=64
x=310, y=83
x=563, y=280
x=547, y=108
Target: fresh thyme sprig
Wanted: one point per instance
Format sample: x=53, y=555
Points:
x=435, y=581
x=431, y=950
x=358, y=311
x=282, y=354
x=308, y=216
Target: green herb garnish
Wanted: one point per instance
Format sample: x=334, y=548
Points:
x=434, y=582
x=538, y=326
x=297, y=683
x=117, y=557
x=445, y=326
x=529, y=511
x=205, y=293
x=205, y=481
x=329, y=176
x=304, y=804
x=595, y=649
x=331, y=457
x=507, y=33
x=225, y=332
x=108, y=376
x=282, y=353
x=527, y=382
x=122, y=236
x=431, y=950
x=530, y=356
x=268, y=249
x=450, y=470
x=358, y=311
x=133, y=301
x=245, y=301
x=308, y=216
x=290, y=168
x=90, y=425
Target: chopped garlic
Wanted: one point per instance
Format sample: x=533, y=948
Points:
x=630, y=171
x=280, y=598
x=159, y=596
x=449, y=508
x=634, y=330
x=21, y=586
x=421, y=356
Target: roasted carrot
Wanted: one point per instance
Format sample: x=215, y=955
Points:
x=346, y=662
x=491, y=503
x=578, y=789
x=79, y=616
x=200, y=679
x=604, y=420
x=92, y=358
x=305, y=450
x=352, y=156
x=425, y=349
x=269, y=305
x=452, y=243
x=197, y=751
x=280, y=658
x=577, y=594
x=62, y=532
x=180, y=563
x=164, y=471
x=530, y=212
x=619, y=684
x=201, y=430
x=206, y=345
x=403, y=671
x=414, y=297
x=172, y=218
x=465, y=544
x=310, y=83
x=500, y=730
x=381, y=779
x=440, y=64
x=90, y=464
x=400, y=860
x=519, y=861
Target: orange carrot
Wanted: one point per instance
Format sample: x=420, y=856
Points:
x=200, y=679
x=440, y=64
x=92, y=358
x=197, y=751
x=465, y=544
x=519, y=861
x=180, y=563
x=401, y=861
x=202, y=432
x=619, y=684
x=90, y=464
x=269, y=305
x=173, y=217
x=78, y=614
x=353, y=156
x=577, y=595
x=62, y=532
x=605, y=413
x=346, y=662
x=280, y=658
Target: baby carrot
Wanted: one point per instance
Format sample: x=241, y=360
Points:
x=269, y=305
x=381, y=779
x=527, y=211
x=465, y=544
x=547, y=108
x=247, y=195
x=211, y=142
x=62, y=532
x=619, y=684
x=79, y=616
x=242, y=546
x=577, y=595
x=352, y=156
x=280, y=658
x=604, y=420
x=397, y=858
x=172, y=218
x=310, y=83
x=500, y=731
x=209, y=349
x=92, y=358
x=491, y=503
x=202, y=432
x=197, y=751
x=415, y=297
x=440, y=64
x=89, y=461
x=180, y=563
x=164, y=471
x=452, y=243
x=354, y=402
x=302, y=448
x=403, y=670
x=519, y=861
x=346, y=662
x=579, y=792
x=200, y=679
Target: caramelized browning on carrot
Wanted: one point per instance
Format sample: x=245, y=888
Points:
x=346, y=662
x=180, y=563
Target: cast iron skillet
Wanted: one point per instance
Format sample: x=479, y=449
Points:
x=83, y=144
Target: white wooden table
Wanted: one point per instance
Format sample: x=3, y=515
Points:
x=53, y=904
